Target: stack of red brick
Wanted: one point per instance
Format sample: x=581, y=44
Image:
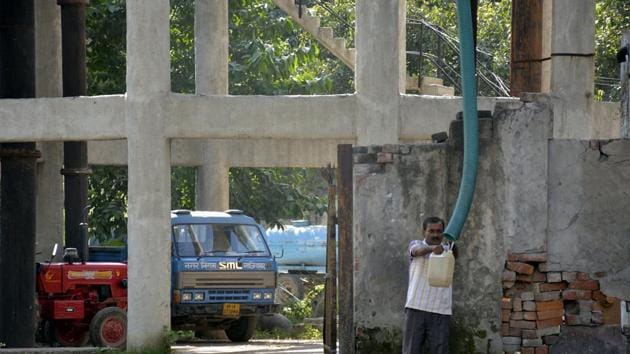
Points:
x=537, y=302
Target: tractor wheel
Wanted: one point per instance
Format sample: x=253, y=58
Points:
x=290, y=288
x=242, y=329
x=68, y=333
x=108, y=328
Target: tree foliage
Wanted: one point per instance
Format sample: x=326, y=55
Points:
x=271, y=55
x=612, y=17
x=108, y=198
x=272, y=194
x=494, y=23
x=105, y=33
x=108, y=202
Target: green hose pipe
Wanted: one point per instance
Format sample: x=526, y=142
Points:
x=471, y=129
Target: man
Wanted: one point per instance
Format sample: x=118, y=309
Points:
x=428, y=309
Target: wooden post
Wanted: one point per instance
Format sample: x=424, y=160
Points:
x=330, y=303
x=527, y=49
x=346, y=254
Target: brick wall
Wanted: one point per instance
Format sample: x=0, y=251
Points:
x=537, y=302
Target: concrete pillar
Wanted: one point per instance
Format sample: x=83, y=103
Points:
x=624, y=76
x=211, y=78
x=148, y=48
x=211, y=47
x=148, y=84
x=573, y=67
x=380, y=69
x=49, y=227
x=213, y=184
x=149, y=241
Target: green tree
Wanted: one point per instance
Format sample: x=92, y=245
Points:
x=271, y=55
x=105, y=32
x=612, y=17
x=272, y=194
x=108, y=199
x=107, y=192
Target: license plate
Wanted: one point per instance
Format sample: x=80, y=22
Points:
x=231, y=309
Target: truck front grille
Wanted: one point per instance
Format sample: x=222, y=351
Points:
x=228, y=295
x=213, y=280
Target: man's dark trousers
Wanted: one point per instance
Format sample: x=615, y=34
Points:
x=422, y=326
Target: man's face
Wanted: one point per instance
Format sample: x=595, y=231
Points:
x=434, y=233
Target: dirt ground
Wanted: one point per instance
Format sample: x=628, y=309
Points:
x=257, y=346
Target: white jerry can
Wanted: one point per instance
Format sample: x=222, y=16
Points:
x=440, y=270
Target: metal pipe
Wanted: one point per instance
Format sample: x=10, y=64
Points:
x=471, y=125
x=75, y=163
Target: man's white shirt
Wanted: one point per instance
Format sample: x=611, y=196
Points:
x=420, y=295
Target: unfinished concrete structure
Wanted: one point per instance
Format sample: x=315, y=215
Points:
x=149, y=128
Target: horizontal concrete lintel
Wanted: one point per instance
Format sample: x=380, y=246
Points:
x=221, y=117
x=292, y=117
x=422, y=116
x=238, y=153
x=62, y=118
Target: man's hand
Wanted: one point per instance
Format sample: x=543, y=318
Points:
x=438, y=249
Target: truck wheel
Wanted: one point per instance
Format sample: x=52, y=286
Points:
x=289, y=288
x=108, y=328
x=242, y=329
x=68, y=333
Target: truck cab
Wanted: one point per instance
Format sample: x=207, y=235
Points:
x=223, y=273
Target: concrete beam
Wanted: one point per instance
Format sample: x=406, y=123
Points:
x=239, y=153
x=421, y=116
x=380, y=69
x=56, y=119
x=244, y=117
x=252, y=117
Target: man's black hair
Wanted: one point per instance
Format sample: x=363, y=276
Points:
x=431, y=220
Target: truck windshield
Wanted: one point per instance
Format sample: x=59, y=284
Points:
x=197, y=240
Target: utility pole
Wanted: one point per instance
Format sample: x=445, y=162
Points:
x=75, y=166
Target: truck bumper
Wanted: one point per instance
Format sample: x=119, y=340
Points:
x=216, y=310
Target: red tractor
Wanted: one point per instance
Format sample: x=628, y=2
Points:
x=82, y=301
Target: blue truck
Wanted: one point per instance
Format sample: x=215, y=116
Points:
x=223, y=272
